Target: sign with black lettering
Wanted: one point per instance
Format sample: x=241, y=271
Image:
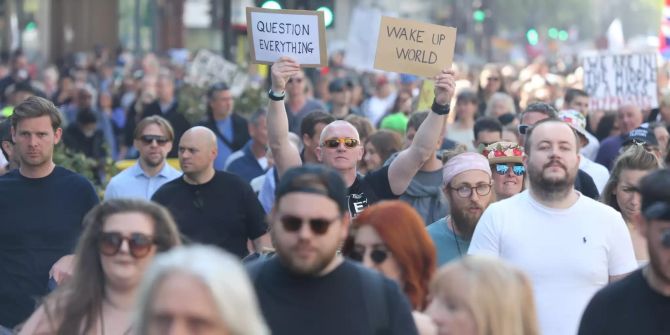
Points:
x=298, y=34
x=413, y=47
x=613, y=80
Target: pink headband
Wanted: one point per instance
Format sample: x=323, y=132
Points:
x=464, y=162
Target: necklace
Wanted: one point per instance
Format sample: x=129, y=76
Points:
x=453, y=233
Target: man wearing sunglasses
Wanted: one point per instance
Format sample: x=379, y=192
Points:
x=466, y=183
x=298, y=104
x=308, y=287
x=153, y=140
x=210, y=206
x=569, y=245
x=41, y=210
x=644, y=296
x=340, y=146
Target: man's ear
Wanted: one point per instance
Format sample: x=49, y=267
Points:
x=346, y=223
x=57, y=135
x=318, y=151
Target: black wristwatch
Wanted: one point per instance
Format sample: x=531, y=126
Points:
x=440, y=109
x=275, y=97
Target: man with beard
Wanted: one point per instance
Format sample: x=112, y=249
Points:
x=644, y=296
x=153, y=139
x=466, y=180
x=568, y=244
x=309, y=288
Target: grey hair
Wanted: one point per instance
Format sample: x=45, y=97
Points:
x=223, y=275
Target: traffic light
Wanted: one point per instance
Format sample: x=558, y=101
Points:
x=479, y=15
x=563, y=35
x=532, y=36
x=270, y=4
x=552, y=33
x=328, y=9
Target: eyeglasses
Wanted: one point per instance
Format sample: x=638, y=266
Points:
x=295, y=80
x=523, y=128
x=335, y=142
x=502, y=169
x=493, y=78
x=466, y=191
x=377, y=256
x=293, y=224
x=139, y=244
x=148, y=139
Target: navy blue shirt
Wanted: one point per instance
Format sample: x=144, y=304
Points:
x=244, y=164
x=40, y=222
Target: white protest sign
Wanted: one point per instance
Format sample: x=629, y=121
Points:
x=613, y=80
x=298, y=34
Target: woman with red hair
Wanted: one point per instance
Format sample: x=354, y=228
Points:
x=391, y=237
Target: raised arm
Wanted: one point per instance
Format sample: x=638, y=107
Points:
x=408, y=162
x=285, y=155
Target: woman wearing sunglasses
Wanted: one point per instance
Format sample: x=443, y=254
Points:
x=621, y=191
x=120, y=239
x=390, y=237
x=507, y=168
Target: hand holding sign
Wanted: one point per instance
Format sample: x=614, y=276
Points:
x=282, y=71
x=445, y=85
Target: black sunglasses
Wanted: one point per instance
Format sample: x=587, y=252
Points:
x=523, y=128
x=293, y=223
x=139, y=244
x=377, y=256
x=148, y=139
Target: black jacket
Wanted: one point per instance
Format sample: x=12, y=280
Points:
x=240, y=131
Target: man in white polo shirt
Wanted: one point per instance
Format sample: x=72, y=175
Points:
x=153, y=139
x=568, y=244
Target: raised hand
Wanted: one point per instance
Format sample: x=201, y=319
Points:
x=445, y=85
x=282, y=71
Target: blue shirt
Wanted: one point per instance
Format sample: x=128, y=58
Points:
x=226, y=129
x=449, y=246
x=244, y=164
x=134, y=183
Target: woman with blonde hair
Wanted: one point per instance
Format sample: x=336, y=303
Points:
x=481, y=295
x=120, y=239
x=621, y=191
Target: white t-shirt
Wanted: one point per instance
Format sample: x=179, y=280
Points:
x=568, y=254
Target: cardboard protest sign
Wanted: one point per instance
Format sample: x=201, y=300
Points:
x=616, y=79
x=413, y=47
x=208, y=68
x=298, y=34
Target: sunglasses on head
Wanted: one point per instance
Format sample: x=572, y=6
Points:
x=377, y=256
x=139, y=244
x=335, y=142
x=518, y=169
x=148, y=139
x=293, y=223
x=523, y=128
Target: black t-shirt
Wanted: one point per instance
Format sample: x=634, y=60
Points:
x=223, y=211
x=40, y=222
x=365, y=191
x=331, y=304
x=585, y=185
x=629, y=306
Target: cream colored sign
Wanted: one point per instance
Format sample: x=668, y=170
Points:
x=414, y=47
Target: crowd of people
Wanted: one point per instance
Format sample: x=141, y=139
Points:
x=344, y=205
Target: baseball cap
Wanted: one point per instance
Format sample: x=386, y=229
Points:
x=576, y=120
x=640, y=135
x=316, y=179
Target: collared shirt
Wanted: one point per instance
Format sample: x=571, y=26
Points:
x=134, y=183
x=225, y=127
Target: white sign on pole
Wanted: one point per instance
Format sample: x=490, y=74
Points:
x=613, y=80
x=298, y=34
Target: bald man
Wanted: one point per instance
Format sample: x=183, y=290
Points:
x=212, y=207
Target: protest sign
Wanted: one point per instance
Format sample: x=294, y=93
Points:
x=413, y=47
x=298, y=34
x=612, y=80
x=208, y=68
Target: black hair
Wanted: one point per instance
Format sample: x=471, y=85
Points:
x=486, y=123
x=572, y=93
x=310, y=121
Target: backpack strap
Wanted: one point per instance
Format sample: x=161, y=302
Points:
x=375, y=300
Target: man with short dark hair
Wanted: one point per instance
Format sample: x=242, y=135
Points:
x=487, y=131
x=212, y=207
x=640, y=303
x=339, y=105
x=539, y=111
x=231, y=129
x=42, y=207
x=308, y=287
x=153, y=140
x=557, y=236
